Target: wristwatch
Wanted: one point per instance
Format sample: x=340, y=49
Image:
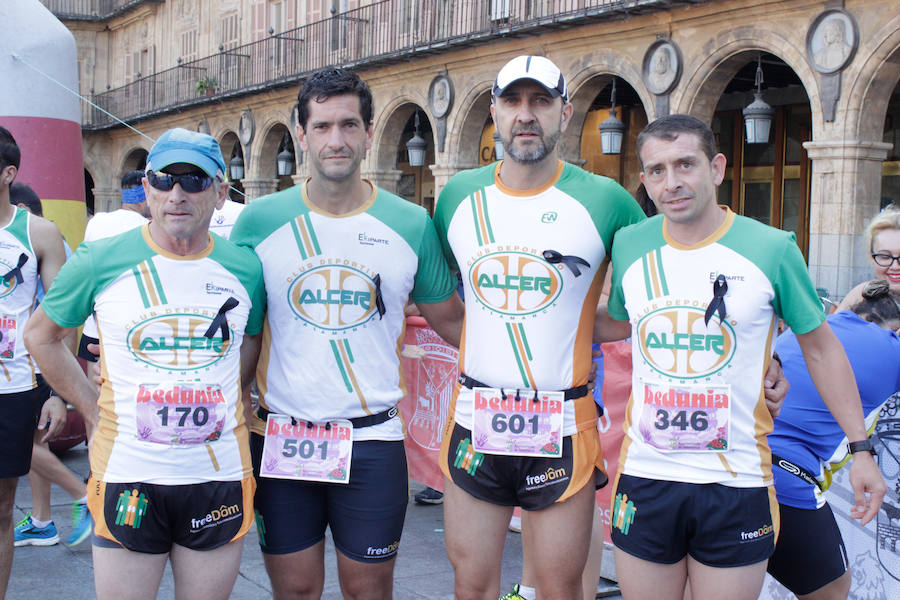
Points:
x=866, y=445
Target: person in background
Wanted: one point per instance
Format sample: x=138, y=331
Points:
x=31, y=249
x=134, y=212
x=37, y=528
x=883, y=237
x=808, y=445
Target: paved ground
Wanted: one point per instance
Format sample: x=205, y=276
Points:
x=422, y=571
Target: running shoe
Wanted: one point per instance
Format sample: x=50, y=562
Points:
x=429, y=496
x=513, y=595
x=26, y=534
x=82, y=524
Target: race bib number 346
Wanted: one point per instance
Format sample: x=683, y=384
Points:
x=529, y=426
x=298, y=451
x=685, y=418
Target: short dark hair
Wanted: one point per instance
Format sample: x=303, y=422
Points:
x=132, y=179
x=9, y=149
x=21, y=193
x=332, y=81
x=671, y=126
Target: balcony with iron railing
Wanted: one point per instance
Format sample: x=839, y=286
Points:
x=378, y=33
x=92, y=10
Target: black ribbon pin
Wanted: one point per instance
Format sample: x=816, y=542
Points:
x=379, y=301
x=221, y=322
x=17, y=272
x=720, y=288
x=553, y=257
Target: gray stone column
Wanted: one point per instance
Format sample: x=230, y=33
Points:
x=107, y=199
x=254, y=188
x=386, y=179
x=845, y=193
x=442, y=174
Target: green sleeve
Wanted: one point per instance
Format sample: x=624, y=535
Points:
x=433, y=282
x=70, y=300
x=243, y=263
x=460, y=187
x=258, y=310
x=796, y=300
x=615, y=305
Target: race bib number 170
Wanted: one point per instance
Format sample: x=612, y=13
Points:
x=180, y=413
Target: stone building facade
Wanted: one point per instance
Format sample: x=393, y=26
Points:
x=830, y=71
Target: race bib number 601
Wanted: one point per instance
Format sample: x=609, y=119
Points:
x=528, y=426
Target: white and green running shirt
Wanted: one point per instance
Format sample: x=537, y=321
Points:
x=18, y=289
x=532, y=263
x=328, y=352
x=170, y=405
x=697, y=413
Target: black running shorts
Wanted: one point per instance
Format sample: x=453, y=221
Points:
x=149, y=518
x=19, y=412
x=365, y=515
x=810, y=552
x=719, y=526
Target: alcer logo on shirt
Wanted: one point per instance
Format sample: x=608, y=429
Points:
x=176, y=342
x=677, y=343
x=333, y=297
x=515, y=283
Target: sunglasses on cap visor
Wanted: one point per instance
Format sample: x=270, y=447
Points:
x=190, y=183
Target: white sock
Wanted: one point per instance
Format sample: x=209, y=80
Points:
x=40, y=524
x=82, y=500
x=529, y=593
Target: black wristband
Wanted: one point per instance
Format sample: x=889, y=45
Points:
x=866, y=445
x=778, y=358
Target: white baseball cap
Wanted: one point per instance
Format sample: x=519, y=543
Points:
x=537, y=68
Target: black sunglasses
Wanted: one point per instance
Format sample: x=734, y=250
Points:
x=190, y=183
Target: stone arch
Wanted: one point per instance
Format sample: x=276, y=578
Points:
x=584, y=86
x=873, y=83
x=134, y=158
x=265, y=149
x=227, y=140
x=708, y=74
x=388, y=128
x=464, y=132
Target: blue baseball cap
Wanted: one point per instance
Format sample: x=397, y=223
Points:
x=191, y=147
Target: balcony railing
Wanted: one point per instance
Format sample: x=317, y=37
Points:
x=92, y=10
x=381, y=32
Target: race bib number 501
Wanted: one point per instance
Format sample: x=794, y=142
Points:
x=311, y=452
x=685, y=418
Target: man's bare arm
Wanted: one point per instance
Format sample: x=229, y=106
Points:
x=607, y=329
x=46, y=344
x=446, y=318
x=831, y=372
